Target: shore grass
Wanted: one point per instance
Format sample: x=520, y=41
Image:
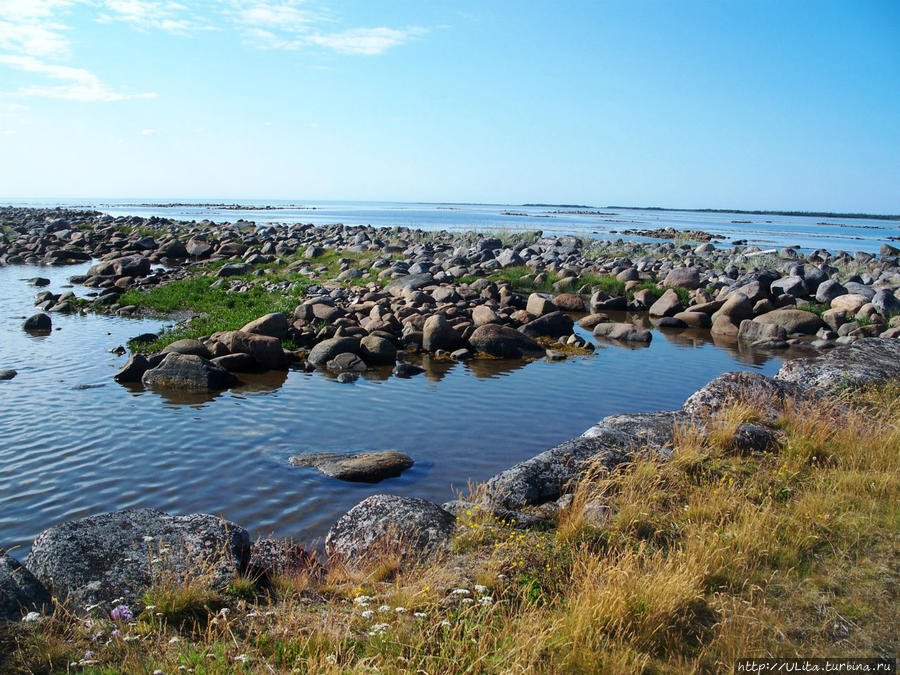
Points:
x=212, y=308
x=669, y=566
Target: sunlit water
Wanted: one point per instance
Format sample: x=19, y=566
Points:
x=73, y=442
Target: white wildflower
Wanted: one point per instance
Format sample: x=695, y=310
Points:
x=174, y=640
x=31, y=617
x=150, y=608
x=482, y=590
x=378, y=628
x=400, y=610
x=467, y=600
x=363, y=599
x=242, y=658
x=461, y=591
x=485, y=600
x=445, y=623
x=368, y=614
x=384, y=608
x=331, y=659
x=420, y=615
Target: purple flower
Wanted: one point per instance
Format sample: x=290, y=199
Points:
x=115, y=634
x=121, y=613
x=89, y=655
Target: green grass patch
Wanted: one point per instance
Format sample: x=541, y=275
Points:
x=212, y=308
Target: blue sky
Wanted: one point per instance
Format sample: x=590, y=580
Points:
x=781, y=105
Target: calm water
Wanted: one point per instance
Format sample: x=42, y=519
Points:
x=766, y=231
x=74, y=443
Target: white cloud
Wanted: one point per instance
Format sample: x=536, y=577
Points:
x=30, y=27
x=8, y=132
x=80, y=84
x=148, y=132
x=164, y=15
x=366, y=41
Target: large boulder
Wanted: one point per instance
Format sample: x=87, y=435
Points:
x=764, y=393
x=886, y=303
x=274, y=325
x=504, y=342
x=188, y=346
x=850, y=303
x=389, y=525
x=538, y=305
x=267, y=350
x=364, y=467
x=186, y=371
x=866, y=361
x=377, y=351
x=482, y=314
x=829, y=290
x=133, y=370
x=653, y=431
x=131, y=266
x=544, y=477
x=737, y=307
x=757, y=331
x=792, y=320
x=684, y=277
x=437, y=333
x=116, y=555
x=553, y=324
x=792, y=285
x=669, y=304
x=569, y=302
x=326, y=350
x=20, y=591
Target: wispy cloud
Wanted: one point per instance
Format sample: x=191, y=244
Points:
x=79, y=84
x=294, y=25
x=148, y=132
x=30, y=27
x=165, y=15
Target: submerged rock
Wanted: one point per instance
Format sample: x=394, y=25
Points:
x=118, y=554
x=410, y=527
x=505, y=342
x=38, y=323
x=364, y=467
x=7, y=374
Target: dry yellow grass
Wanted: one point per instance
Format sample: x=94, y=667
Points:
x=665, y=566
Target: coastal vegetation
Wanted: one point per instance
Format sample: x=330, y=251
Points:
x=666, y=565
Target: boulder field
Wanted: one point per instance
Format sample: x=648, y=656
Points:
x=110, y=558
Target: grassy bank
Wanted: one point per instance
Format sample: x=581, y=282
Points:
x=669, y=566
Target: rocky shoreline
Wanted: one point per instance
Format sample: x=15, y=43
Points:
x=433, y=292
x=107, y=560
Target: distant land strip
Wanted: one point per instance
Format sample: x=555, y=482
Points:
x=811, y=214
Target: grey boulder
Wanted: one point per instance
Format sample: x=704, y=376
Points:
x=866, y=361
x=386, y=524
x=185, y=371
x=38, y=323
x=20, y=591
x=504, y=342
x=326, y=350
x=364, y=467
x=118, y=554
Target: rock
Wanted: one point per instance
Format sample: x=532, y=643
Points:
x=347, y=377
x=653, y=431
x=271, y=558
x=313, y=251
x=850, y=303
x=366, y=467
x=885, y=303
x=684, y=277
x=411, y=282
x=234, y=269
x=437, y=333
x=737, y=307
x=38, y=323
x=544, y=477
x=198, y=248
x=462, y=354
x=865, y=361
x=755, y=331
x=504, y=342
x=829, y=290
x=750, y=438
x=273, y=325
x=751, y=388
x=388, y=525
x=133, y=370
x=238, y=363
x=626, y=332
x=515, y=519
x=538, y=305
x=406, y=370
x=186, y=371
x=692, y=319
x=792, y=320
x=131, y=266
x=644, y=298
x=669, y=304
x=377, y=351
x=723, y=325
x=267, y=351
x=188, y=346
x=483, y=314
x=347, y=362
x=326, y=350
x=588, y=322
x=20, y=591
x=554, y=324
x=791, y=285
x=7, y=374
x=101, y=558
x=888, y=251
x=670, y=322
x=569, y=302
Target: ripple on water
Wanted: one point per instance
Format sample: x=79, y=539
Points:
x=69, y=453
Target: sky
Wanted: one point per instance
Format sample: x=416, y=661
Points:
x=722, y=104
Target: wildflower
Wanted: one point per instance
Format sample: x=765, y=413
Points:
x=420, y=615
x=31, y=617
x=224, y=611
x=483, y=590
x=362, y=600
x=384, y=608
x=158, y=672
x=174, y=640
x=400, y=610
x=467, y=600
x=445, y=623
x=150, y=608
x=368, y=614
x=461, y=591
x=121, y=613
x=88, y=655
x=116, y=634
x=331, y=659
x=131, y=638
x=242, y=658
x=378, y=628
x=485, y=600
